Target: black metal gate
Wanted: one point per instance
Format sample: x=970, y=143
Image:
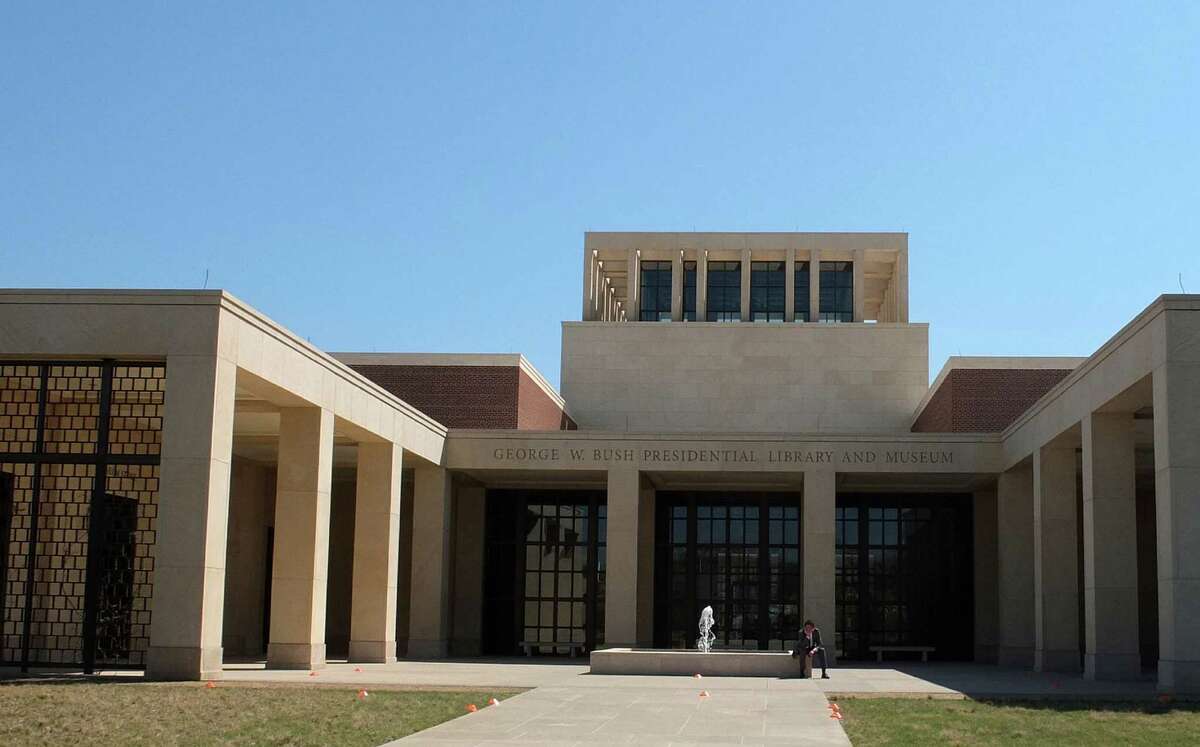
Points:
x=80, y=443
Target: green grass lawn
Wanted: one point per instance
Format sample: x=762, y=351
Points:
x=983, y=722
x=90, y=713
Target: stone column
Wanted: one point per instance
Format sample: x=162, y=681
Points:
x=1014, y=523
x=677, y=287
x=986, y=602
x=429, y=614
x=1110, y=594
x=789, y=286
x=745, y=308
x=645, y=559
x=589, y=286
x=1177, y=487
x=467, y=613
x=702, y=286
x=902, y=287
x=623, y=581
x=376, y=553
x=814, y=286
x=1055, y=564
x=817, y=551
x=193, y=519
x=860, y=285
x=633, y=288
x=300, y=569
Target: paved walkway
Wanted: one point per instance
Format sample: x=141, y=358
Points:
x=622, y=710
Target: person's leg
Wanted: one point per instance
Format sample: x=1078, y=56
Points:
x=824, y=663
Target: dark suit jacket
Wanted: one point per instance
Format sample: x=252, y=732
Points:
x=809, y=644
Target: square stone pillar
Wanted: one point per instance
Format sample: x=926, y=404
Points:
x=789, y=286
x=624, y=584
x=859, y=290
x=814, y=286
x=677, y=287
x=1055, y=561
x=589, y=285
x=467, y=611
x=819, y=524
x=1014, y=569
x=645, y=559
x=633, y=288
x=1110, y=593
x=300, y=568
x=986, y=602
x=1177, y=512
x=193, y=519
x=432, y=545
x=702, y=286
x=745, y=306
x=376, y=553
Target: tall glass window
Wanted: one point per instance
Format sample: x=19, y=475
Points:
x=837, y=291
x=689, y=291
x=656, y=292
x=802, y=291
x=767, y=291
x=724, y=292
x=544, y=580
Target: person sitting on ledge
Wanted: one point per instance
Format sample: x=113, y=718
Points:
x=810, y=645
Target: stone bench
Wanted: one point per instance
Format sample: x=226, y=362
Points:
x=925, y=651
x=572, y=648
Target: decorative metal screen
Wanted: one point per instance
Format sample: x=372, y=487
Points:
x=79, y=452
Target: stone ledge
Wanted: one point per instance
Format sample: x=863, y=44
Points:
x=646, y=661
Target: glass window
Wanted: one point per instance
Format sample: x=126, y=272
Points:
x=837, y=291
x=724, y=292
x=802, y=290
x=689, y=291
x=655, y=299
x=767, y=291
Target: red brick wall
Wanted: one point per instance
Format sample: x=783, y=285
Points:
x=501, y=397
x=455, y=396
x=537, y=411
x=984, y=400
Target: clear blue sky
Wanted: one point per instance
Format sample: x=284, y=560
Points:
x=417, y=178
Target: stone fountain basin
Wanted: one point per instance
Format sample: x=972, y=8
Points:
x=690, y=662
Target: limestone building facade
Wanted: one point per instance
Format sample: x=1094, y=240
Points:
x=745, y=421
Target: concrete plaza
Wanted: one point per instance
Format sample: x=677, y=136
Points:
x=567, y=705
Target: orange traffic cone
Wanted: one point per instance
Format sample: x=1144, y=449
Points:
x=362, y=694
x=704, y=693
x=697, y=675
x=471, y=708
x=312, y=674
x=358, y=669
x=210, y=685
x=493, y=701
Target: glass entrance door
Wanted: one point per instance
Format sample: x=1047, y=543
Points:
x=904, y=574
x=736, y=552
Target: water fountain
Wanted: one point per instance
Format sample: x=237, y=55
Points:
x=701, y=660
x=705, y=641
